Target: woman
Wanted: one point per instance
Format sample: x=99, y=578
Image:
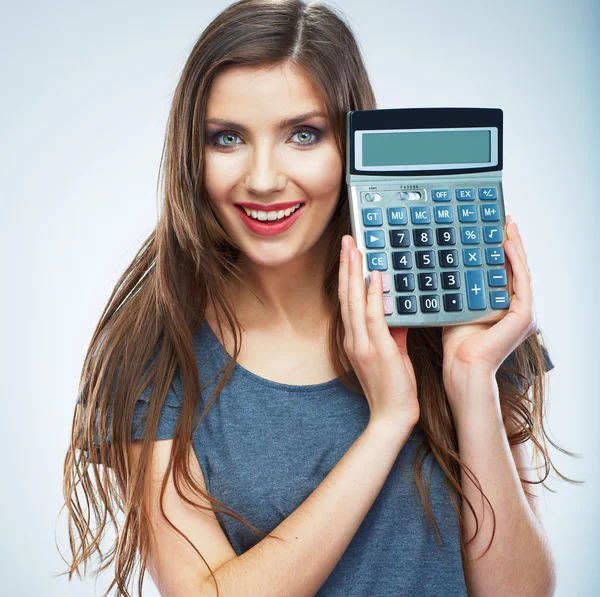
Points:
x=299, y=468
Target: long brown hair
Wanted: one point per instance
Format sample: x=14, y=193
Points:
x=145, y=334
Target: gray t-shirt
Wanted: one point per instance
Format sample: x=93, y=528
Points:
x=265, y=446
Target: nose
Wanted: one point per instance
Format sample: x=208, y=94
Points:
x=264, y=172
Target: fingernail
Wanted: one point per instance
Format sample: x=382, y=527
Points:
x=352, y=254
x=344, y=242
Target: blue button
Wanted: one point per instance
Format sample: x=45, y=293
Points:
x=443, y=214
x=420, y=214
x=472, y=256
x=441, y=195
x=372, y=216
x=475, y=289
x=499, y=299
x=469, y=235
x=488, y=193
x=374, y=239
x=492, y=234
x=377, y=261
x=397, y=216
x=494, y=255
x=465, y=194
x=467, y=213
x=497, y=277
x=490, y=213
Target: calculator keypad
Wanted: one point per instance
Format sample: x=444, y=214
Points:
x=443, y=254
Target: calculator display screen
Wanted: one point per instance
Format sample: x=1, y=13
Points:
x=423, y=149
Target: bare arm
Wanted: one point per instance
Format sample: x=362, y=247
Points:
x=315, y=535
x=318, y=532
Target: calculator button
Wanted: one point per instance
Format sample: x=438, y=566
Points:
x=465, y=194
x=423, y=237
x=448, y=257
x=397, y=216
x=443, y=214
x=428, y=281
x=385, y=282
x=497, y=277
x=388, y=305
x=407, y=304
x=475, y=290
x=377, y=261
x=469, y=235
x=372, y=216
x=411, y=195
x=374, y=239
x=425, y=258
x=445, y=236
x=371, y=196
x=450, y=280
x=420, y=214
x=488, y=193
x=472, y=257
x=494, y=255
x=492, y=234
x=453, y=302
x=490, y=213
x=499, y=299
x=400, y=238
x=430, y=303
x=402, y=259
x=467, y=213
x=441, y=195
x=404, y=282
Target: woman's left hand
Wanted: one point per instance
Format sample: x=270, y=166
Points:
x=480, y=348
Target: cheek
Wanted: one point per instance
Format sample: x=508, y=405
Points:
x=322, y=174
x=219, y=176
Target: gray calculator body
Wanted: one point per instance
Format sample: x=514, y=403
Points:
x=427, y=211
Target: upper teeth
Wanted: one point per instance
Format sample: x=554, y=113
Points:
x=271, y=215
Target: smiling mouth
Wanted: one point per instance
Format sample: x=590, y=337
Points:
x=241, y=208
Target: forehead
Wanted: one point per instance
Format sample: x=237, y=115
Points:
x=273, y=92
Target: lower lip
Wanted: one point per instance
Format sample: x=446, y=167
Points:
x=269, y=229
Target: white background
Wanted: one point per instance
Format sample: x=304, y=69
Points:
x=86, y=91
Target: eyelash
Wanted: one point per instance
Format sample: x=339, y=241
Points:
x=314, y=131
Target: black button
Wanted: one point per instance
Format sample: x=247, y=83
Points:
x=404, y=282
x=406, y=304
x=453, y=302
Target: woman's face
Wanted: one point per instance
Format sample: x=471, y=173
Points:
x=252, y=156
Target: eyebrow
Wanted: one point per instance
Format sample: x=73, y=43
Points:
x=282, y=124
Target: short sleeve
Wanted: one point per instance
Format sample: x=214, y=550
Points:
x=510, y=359
x=547, y=360
x=167, y=421
x=168, y=417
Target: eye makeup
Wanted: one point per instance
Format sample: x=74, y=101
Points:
x=213, y=137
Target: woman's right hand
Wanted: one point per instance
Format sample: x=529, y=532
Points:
x=377, y=353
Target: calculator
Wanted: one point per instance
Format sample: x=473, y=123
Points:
x=427, y=211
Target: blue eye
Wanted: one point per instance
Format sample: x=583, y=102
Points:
x=213, y=140
x=310, y=130
x=223, y=134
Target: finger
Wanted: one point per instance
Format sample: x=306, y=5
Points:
x=515, y=236
x=357, y=301
x=520, y=273
x=511, y=330
x=343, y=293
x=376, y=324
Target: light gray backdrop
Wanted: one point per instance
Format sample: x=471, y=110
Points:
x=86, y=90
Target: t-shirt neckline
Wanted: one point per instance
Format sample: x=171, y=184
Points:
x=332, y=383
